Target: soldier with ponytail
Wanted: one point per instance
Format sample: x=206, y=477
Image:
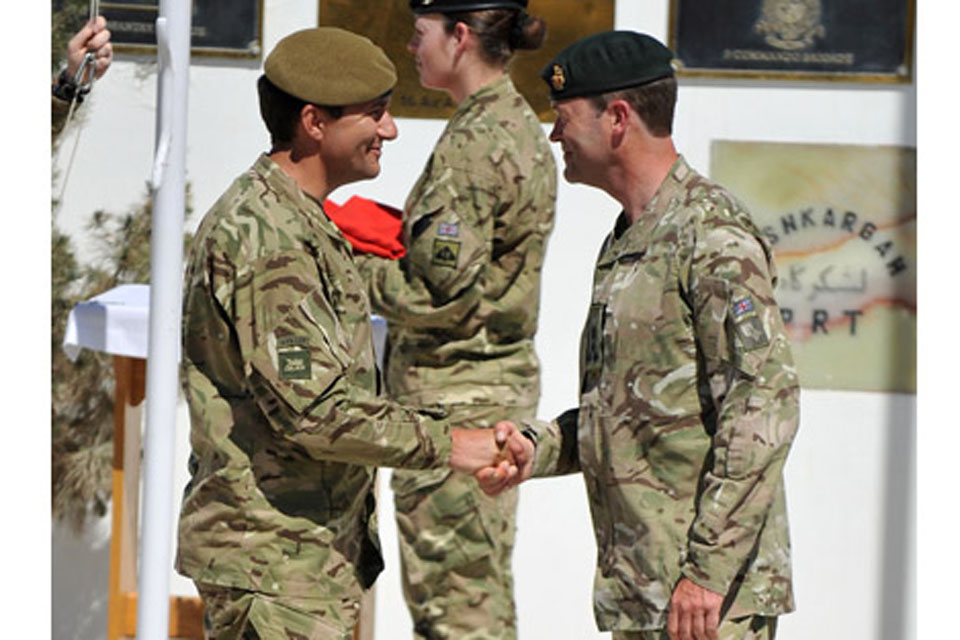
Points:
x=462, y=305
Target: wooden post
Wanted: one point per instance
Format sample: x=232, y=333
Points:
x=186, y=614
x=130, y=374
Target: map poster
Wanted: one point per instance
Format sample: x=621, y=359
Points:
x=842, y=40
x=389, y=23
x=842, y=224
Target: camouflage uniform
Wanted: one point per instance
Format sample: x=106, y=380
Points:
x=229, y=614
x=688, y=406
x=287, y=421
x=746, y=628
x=462, y=311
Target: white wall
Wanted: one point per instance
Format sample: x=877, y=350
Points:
x=851, y=473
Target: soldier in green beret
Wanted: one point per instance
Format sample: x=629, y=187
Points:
x=688, y=394
x=277, y=527
x=462, y=305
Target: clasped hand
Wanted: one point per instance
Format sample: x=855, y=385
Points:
x=94, y=38
x=498, y=458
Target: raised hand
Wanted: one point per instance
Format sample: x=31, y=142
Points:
x=93, y=37
x=495, y=479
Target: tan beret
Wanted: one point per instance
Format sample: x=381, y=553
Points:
x=330, y=66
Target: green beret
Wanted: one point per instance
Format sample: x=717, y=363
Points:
x=607, y=61
x=330, y=67
x=455, y=6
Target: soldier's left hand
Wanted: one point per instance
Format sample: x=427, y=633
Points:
x=694, y=612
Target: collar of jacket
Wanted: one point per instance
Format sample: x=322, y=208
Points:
x=310, y=207
x=502, y=86
x=632, y=238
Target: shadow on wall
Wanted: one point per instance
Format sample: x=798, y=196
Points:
x=80, y=580
x=897, y=547
x=897, y=543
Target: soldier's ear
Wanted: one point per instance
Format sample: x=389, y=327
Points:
x=313, y=121
x=618, y=112
x=461, y=36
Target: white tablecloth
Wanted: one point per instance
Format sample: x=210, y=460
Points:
x=118, y=322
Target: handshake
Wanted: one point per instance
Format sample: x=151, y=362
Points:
x=499, y=458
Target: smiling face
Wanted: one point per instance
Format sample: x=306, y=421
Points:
x=580, y=130
x=353, y=143
x=433, y=51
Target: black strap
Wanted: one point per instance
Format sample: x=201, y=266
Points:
x=66, y=88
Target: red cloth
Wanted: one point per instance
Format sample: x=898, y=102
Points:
x=371, y=227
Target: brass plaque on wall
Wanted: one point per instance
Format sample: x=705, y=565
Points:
x=845, y=40
x=842, y=220
x=389, y=23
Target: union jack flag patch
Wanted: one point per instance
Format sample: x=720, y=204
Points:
x=449, y=229
x=743, y=306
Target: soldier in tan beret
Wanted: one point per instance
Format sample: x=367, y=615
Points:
x=277, y=527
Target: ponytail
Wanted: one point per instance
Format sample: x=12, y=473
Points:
x=500, y=31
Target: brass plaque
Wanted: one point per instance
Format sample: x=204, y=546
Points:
x=389, y=23
x=842, y=221
x=838, y=40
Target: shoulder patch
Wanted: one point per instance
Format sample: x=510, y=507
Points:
x=449, y=229
x=292, y=341
x=294, y=364
x=748, y=324
x=742, y=306
x=751, y=333
x=445, y=252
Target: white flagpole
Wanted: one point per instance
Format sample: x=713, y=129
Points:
x=166, y=260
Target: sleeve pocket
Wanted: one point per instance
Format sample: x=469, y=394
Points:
x=447, y=255
x=297, y=360
x=711, y=320
x=730, y=327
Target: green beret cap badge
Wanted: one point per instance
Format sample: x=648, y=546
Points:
x=607, y=61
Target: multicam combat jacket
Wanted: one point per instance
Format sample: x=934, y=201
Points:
x=287, y=420
x=461, y=306
x=688, y=406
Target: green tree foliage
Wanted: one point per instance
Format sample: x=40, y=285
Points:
x=82, y=391
x=67, y=16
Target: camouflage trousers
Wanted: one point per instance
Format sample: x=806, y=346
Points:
x=746, y=628
x=455, y=546
x=237, y=614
